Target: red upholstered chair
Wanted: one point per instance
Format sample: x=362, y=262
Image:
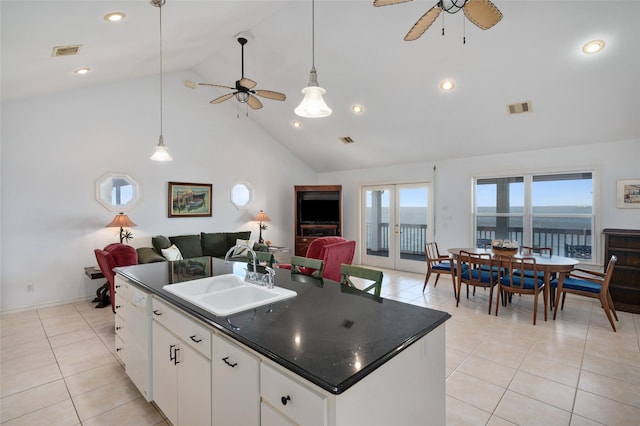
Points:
x=112, y=256
x=334, y=251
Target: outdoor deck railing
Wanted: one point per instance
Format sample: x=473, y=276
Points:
x=565, y=242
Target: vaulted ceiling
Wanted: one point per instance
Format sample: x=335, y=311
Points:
x=533, y=54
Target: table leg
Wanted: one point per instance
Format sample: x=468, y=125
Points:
x=545, y=292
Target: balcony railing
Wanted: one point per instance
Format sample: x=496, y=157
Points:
x=575, y=243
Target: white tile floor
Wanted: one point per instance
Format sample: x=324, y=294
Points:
x=58, y=367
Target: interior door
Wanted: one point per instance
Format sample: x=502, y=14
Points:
x=395, y=226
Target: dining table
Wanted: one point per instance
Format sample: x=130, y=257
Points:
x=549, y=264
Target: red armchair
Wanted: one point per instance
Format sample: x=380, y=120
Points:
x=334, y=251
x=112, y=256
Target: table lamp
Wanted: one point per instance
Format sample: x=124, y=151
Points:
x=261, y=217
x=120, y=221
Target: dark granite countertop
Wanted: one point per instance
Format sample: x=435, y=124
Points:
x=329, y=334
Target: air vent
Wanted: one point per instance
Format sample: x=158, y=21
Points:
x=519, y=108
x=346, y=139
x=65, y=50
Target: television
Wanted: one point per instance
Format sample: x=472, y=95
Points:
x=319, y=211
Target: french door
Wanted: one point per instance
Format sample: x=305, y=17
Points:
x=396, y=225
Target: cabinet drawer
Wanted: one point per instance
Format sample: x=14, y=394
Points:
x=192, y=333
x=123, y=290
x=292, y=398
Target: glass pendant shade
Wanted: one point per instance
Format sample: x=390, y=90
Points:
x=161, y=152
x=313, y=105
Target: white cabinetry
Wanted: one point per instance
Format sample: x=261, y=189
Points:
x=133, y=325
x=293, y=400
x=181, y=367
x=236, y=393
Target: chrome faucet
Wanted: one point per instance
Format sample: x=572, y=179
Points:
x=250, y=275
x=267, y=279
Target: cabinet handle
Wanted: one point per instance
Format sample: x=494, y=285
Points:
x=157, y=312
x=175, y=358
x=195, y=339
x=285, y=399
x=172, y=354
x=118, y=328
x=118, y=286
x=118, y=307
x=230, y=364
x=118, y=349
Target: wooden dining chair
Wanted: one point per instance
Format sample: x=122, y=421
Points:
x=438, y=264
x=587, y=283
x=263, y=259
x=371, y=277
x=514, y=280
x=477, y=270
x=542, y=251
x=307, y=266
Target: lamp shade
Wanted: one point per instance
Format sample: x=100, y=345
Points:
x=313, y=105
x=161, y=153
x=121, y=220
x=261, y=217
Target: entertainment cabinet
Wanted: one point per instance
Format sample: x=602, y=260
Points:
x=625, y=282
x=318, y=213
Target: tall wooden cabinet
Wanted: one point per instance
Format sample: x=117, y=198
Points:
x=318, y=213
x=625, y=283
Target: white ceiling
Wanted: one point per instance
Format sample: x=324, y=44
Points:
x=533, y=54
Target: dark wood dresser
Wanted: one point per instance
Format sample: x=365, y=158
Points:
x=625, y=283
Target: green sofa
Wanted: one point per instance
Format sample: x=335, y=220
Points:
x=214, y=244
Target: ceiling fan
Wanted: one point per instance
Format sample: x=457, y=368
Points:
x=482, y=13
x=243, y=90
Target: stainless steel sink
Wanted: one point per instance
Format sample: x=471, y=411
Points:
x=227, y=294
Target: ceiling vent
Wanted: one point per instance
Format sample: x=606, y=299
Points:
x=519, y=108
x=346, y=139
x=65, y=50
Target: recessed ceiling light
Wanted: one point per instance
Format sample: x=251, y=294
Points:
x=296, y=124
x=593, y=46
x=82, y=71
x=447, y=85
x=358, y=109
x=114, y=16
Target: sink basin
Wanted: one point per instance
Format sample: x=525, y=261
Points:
x=227, y=294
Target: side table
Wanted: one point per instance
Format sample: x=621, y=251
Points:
x=102, y=294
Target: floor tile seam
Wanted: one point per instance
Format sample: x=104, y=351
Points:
x=625, y=380
x=633, y=407
x=139, y=396
x=478, y=378
x=471, y=405
x=39, y=408
x=545, y=402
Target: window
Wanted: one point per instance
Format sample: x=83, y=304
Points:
x=546, y=210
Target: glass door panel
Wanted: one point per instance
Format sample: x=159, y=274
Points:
x=376, y=226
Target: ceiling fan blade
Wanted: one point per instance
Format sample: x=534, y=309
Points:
x=378, y=3
x=222, y=98
x=217, y=85
x=423, y=24
x=246, y=82
x=482, y=13
x=254, y=102
x=276, y=96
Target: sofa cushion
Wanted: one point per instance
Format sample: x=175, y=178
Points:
x=189, y=245
x=214, y=244
x=233, y=236
x=172, y=253
x=160, y=242
x=149, y=255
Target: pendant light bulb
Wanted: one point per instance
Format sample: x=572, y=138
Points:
x=313, y=104
x=161, y=152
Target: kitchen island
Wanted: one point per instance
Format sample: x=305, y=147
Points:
x=359, y=359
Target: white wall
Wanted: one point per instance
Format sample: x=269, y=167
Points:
x=55, y=147
x=453, y=184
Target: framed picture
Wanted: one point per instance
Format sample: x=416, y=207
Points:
x=628, y=194
x=190, y=199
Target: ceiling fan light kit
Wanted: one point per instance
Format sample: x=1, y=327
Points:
x=161, y=152
x=313, y=104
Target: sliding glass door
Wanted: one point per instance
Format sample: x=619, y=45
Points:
x=395, y=226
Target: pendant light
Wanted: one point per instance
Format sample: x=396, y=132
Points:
x=161, y=153
x=313, y=105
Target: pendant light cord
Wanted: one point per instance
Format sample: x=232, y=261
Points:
x=160, y=8
x=313, y=34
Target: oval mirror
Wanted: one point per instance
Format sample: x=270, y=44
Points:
x=241, y=195
x=117, y=191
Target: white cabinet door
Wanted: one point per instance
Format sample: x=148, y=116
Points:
x=270, y=417
x=235, y=384
x=194, y=388
x=165, y=373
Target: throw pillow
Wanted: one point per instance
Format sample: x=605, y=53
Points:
x=160, y=242
x=243, y=245
x=172, y=253
x=233, y=236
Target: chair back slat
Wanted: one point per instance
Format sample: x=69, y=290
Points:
x=521, y=271
x=348, y=271
x=307, y=266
